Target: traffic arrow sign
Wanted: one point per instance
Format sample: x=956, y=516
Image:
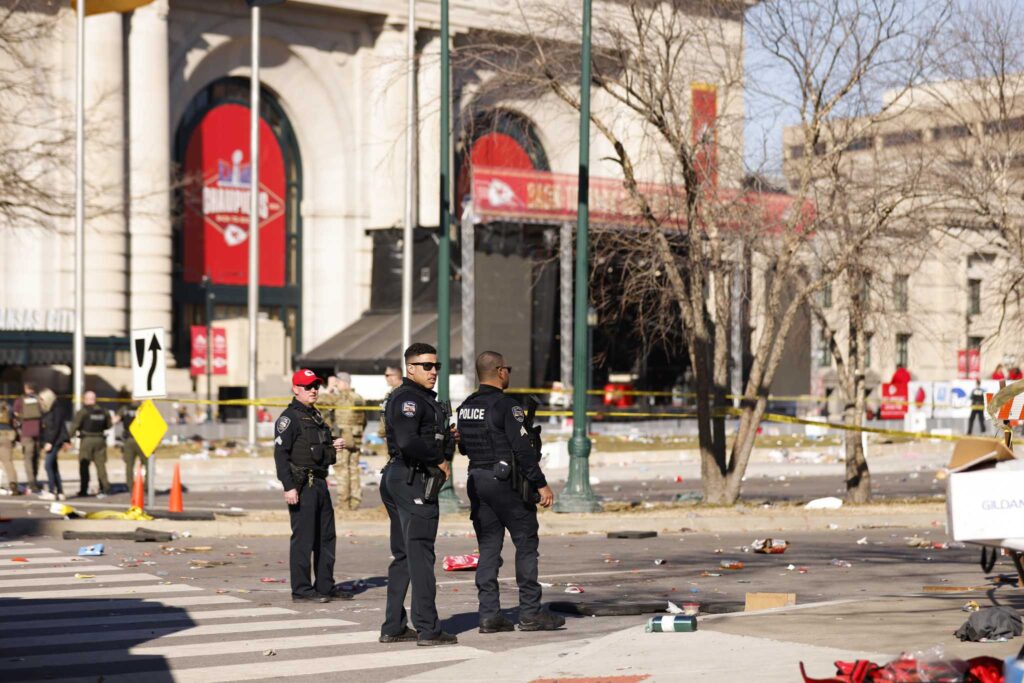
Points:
x=149, y=363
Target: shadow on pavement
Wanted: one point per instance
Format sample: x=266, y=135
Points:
x=91, y=639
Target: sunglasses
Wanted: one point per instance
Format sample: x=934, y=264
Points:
x=428, y=366
x=310, y=387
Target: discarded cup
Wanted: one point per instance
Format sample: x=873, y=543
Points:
x=691, y=609
x=731, y=564
x=575, y=590
x=841, y=563
x=678, y=623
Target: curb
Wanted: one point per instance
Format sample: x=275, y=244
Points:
x=718, y=520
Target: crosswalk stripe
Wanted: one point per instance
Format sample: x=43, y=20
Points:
x=28, y=551
x=308, y=667
x=36, y=561
x=170, y=632
x=69, y=580
x=93, y=592
x=41, y=607
x=151, y=618
x=35, y=571
x=15, y=544
x=320, y=641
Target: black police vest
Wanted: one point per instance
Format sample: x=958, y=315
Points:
x=483, y=442
x=313, y=444
x=95, y=422
x=428, y=428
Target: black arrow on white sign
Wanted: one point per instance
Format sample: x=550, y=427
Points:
x=154, y=347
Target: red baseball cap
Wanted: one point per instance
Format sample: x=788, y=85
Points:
x=304, y=378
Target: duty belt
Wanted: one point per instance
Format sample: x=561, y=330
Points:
x=478, y=465
x=307, y=473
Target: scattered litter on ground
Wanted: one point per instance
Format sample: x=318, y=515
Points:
x=659, y=561
x=91, y=550
x=673, y=608
x=198, y=549
x=19, y=559
x=827, y=503
x=79, y=575
x=574, y=589
x=970, y=606
x=992, y=624
x=269, y=579
x=269, y=653
x=770, y=546
x=862, y=541
x=706, y=573
x=841, y=563
x=632, y=534
x=454, y=563
x=731, y=564
x=675, y=623
x=207, y=564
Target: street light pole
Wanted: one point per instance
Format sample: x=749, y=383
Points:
x=254, y=222
x=411, y=138
x=444, y=242
x=78, y=343
x=577, y=495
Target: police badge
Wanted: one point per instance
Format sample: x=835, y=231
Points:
x=282, y=423
x=409, y=408
x=518, y=414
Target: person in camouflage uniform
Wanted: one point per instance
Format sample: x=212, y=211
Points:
x=351, y=424
x=7, y=438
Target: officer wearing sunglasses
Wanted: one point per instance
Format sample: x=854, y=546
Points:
x=416, y=430
x=494, y=433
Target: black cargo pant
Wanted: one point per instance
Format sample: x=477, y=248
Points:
x=494, y=508
x=312, y=535
x=413, y=532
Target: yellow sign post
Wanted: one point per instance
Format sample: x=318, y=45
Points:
x=148, y=427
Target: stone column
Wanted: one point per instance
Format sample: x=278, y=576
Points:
x=149, y=154
x=386, y=139
x=106, y=283
x=429, y=94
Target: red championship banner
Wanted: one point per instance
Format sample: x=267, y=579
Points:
x=543, y=197
x=704, y=131
x=968, y=363
x=216, y=222
x=197, y=366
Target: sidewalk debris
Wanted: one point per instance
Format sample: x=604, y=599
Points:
x=731, y=564
x=91, y=550
x=269, y=579
x=827, y=503
x=632, y=534
x=19, y=559
x=574, y=589
x=759, y=601
x=841, y=563
x=675, y=623
x=992, y=623
x=970, y=606
x=862, y=541
x=769, y=546
x=79, y=575
x=454, y=563
x=659, y=561
x=269, y=653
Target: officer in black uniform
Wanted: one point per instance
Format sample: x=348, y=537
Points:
x=493, y=431
x=303, y=450
x=417, y=433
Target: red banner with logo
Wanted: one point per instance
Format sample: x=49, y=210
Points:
x=219, y=357
x=894, y=401
x=704, y=131
x=541, y=196
x=216, y=222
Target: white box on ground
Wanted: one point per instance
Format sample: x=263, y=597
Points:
x=985, y=504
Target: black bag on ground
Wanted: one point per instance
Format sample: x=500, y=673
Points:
x=991, y=623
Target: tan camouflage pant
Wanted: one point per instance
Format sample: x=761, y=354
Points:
x=346, y=473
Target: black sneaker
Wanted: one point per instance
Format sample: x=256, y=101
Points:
x=340, y=594
x=406, y=636
x=544, y=621
x=443, y=638
x=312, y=597
x=496, y=624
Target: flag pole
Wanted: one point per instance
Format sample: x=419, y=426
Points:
x=254, y=221
x=78, y=343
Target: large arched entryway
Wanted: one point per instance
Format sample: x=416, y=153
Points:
x=211, y=222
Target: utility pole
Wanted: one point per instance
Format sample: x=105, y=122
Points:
x=411, y=139
x=577, y=495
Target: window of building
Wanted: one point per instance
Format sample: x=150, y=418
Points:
x=996, y=126
x=903, y=350
x=974, y=343
x=951, y=132
x=861, y=143
x=820, y=148
x=903, y=137
x=826, y=296
x=980, y=258
x=973, y=297
x=900, y=292
x=868, y=338
x=824, y=352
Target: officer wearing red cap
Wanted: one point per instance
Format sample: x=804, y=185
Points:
x=303, y=450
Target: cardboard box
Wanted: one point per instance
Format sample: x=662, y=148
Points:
x=985, y=504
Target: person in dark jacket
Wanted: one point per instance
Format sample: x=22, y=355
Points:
x=53, y=436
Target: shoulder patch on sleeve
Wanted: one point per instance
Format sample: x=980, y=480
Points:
x=409, y=408
x=282, y=423
x=278, y=441
x=518, y=414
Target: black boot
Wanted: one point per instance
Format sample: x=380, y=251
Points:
x=544, y=621
x=496, y=624
x=443, y=638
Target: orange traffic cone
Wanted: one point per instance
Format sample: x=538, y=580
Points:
x=138, y=490
x=174, y=503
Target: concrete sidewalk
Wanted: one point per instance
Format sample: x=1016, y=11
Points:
x=763, y=646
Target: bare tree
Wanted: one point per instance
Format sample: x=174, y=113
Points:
x=677, y=265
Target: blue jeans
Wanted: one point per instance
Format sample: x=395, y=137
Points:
x=53, y=481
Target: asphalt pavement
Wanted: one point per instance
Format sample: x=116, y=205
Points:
x=203, y=609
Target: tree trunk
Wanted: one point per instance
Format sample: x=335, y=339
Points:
x=858, y=477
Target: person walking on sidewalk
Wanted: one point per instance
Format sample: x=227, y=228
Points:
x=494, y=434
x=7, y=438
x=350, y=425
x=90, y=423
x=28, y=421
x=977, y=408
x=54, y=437
x=303, y=450
x=416, y=427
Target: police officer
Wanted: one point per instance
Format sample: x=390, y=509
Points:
x=90, y=423
x=493, y=431
x=130, y=449
x=416, y=429
x=303, y=450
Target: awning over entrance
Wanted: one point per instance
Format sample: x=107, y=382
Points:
x=54, y=348
x=375, y=341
